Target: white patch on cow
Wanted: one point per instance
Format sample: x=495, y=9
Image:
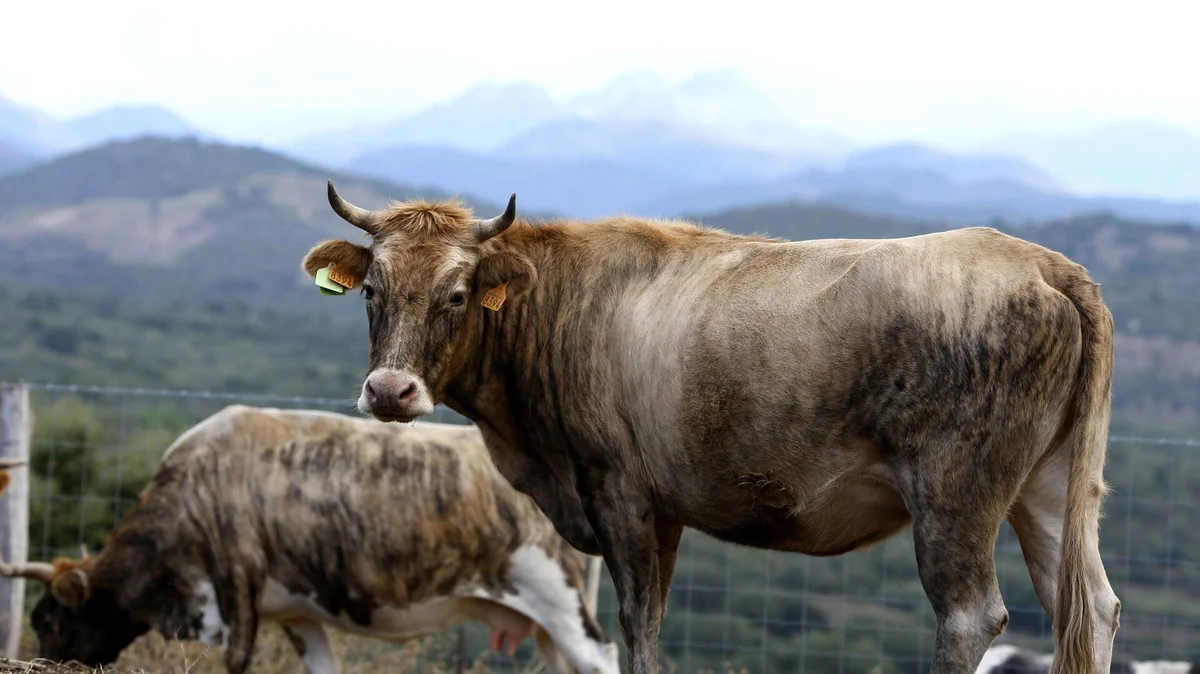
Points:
x=213, y=630
x=1161, y=667
x=544, y=595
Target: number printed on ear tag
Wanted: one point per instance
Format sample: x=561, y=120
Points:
x=494, y=298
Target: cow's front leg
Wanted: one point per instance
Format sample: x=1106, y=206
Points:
x=238, y=601
x=624, y=521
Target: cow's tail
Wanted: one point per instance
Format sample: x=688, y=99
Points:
x=1074, y=617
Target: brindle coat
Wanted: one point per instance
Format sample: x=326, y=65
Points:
x=304, y=518
x=815, y=396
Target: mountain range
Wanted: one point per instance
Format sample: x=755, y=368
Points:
x=12, y=159
x=37, y=134
x=171, y=226
x=642, y=145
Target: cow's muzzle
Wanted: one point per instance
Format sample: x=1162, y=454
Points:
x=391, y=395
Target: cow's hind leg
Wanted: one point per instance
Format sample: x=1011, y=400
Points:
x=1037, y=519
x=957, y=512
x=312, y=645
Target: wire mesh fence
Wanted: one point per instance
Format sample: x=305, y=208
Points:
x=731, y=608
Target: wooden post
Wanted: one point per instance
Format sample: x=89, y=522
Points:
x=16, y=432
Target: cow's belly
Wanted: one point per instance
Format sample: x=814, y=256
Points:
x=845, y=514
x=395, y=623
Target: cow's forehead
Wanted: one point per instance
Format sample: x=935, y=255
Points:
x=420, y=263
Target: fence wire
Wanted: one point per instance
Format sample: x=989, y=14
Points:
x=730, y=608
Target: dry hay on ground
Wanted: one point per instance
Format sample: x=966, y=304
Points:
x=273, y=654
x=39, y=667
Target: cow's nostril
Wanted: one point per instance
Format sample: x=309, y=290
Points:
x=408, y=393
x=371, y=397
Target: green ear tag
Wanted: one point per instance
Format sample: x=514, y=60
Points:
x=328, y=286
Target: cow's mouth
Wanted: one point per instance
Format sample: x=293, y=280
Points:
x=391, y=417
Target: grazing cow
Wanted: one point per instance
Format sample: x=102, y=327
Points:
x=308, y=519
x=639, y=376
x=1009, y=659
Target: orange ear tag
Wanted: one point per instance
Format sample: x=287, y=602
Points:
x=494, y=298
x=340, y=277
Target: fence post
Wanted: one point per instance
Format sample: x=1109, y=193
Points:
x=16, y=431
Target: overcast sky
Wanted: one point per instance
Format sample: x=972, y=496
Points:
x=940, y=71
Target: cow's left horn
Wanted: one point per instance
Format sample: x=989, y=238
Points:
x=486, y=229
x=34, y=570
x=367, y=221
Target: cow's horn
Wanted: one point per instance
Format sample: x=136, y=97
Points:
x=35, y=570
x=486, y=229
x=368, y=221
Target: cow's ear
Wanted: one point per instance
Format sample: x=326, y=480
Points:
x=351, y=258
x=505, y=268
x=70, y=584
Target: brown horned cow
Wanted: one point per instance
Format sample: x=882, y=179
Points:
x=307, y=519
x=638, y=376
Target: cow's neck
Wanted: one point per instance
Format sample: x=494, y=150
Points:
x=525, y=360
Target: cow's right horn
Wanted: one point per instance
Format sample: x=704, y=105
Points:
x=486, y=229
x=367, y=221
x=33, y=570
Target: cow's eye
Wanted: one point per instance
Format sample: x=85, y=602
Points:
x=367, y=291
x=458, y=298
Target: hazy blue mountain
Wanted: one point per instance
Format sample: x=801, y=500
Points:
x=658, y=146
x=12, y=159
x=577, y=187
x=124, y=122
x=25, y=129
x=1134, y=158
x=919, y=194
x=715, y=109
x=481, y=119
x=920, y=185
x=955, y=167
x=722, y=104
x=41, y=135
